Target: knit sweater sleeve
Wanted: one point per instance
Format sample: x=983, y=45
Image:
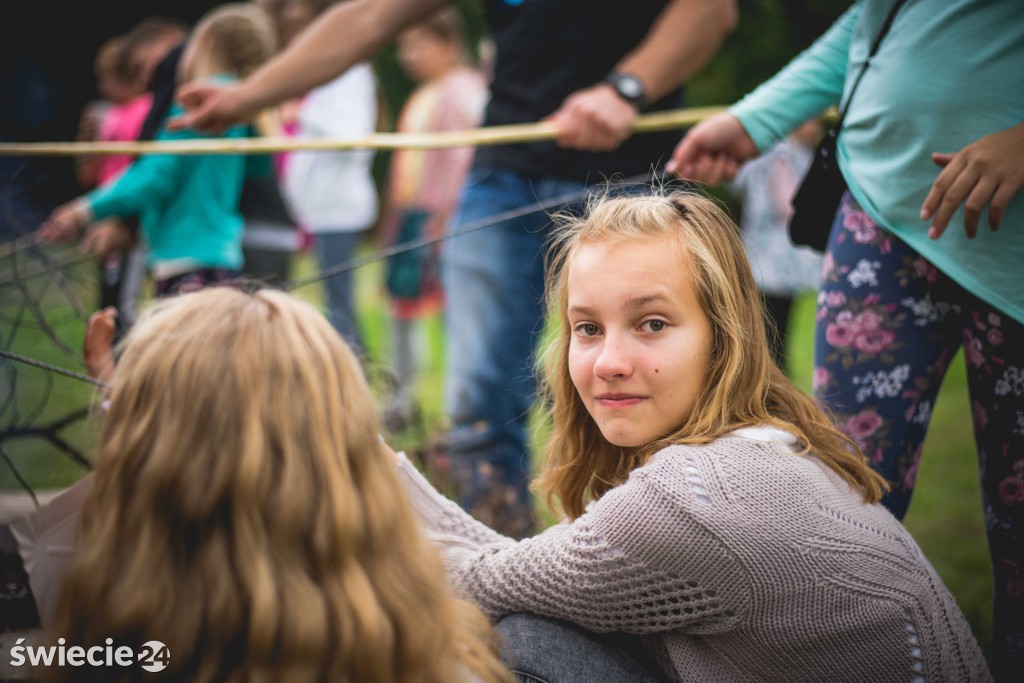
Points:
x=636, y=562
x=809, y=84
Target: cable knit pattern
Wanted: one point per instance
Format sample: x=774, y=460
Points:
x=736, y=561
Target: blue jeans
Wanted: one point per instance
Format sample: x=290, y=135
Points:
x=494, y=284
x=333, y=248
x=542, y=650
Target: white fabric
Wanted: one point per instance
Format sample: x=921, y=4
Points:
x=766, y=433
x=47, y=539
x=334, y=191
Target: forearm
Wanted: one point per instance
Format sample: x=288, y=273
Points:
x=682, y=41
x=348, y=33
x=150, y=179
x=608, y=574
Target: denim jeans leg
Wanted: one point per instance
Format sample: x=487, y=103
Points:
x=493, y=281
x=333, y=248
x=542, y=650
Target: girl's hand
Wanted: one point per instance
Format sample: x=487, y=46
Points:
x=98, y=346
x=210, y=107
x=988, y=172
x=66, y=222
x=712, y=151
x=107, y=238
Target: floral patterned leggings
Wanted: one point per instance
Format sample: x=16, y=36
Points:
x=888, y=325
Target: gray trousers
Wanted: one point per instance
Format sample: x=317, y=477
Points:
x=542, y=650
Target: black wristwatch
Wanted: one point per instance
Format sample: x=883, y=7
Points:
x=628, y=87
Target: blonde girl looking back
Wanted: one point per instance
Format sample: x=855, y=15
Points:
x=716, y=519
x=737, y=384
x=243, y=512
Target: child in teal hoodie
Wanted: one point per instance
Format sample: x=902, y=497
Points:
x=187, y=204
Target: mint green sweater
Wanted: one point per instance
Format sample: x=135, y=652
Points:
x=187, y=205
x=948, y=73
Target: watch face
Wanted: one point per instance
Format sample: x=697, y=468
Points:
x=630, y=87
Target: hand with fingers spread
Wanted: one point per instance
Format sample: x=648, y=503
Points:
x=595, y=119
x=66, y=222
x=988, y=172
x=210, y=107
x=98, y=347
x=712, y=151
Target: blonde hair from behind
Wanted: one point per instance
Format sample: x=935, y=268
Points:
x=246, y=514
x=239, y=37
x=743, y=386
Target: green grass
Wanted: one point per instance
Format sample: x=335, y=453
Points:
x=40, y=398
x=945, y=515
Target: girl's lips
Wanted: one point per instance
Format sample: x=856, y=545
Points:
x=619, y=400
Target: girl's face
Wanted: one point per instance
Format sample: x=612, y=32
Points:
x=640, y=341
x=148, y=57
x=424, y=56
x=113, y=88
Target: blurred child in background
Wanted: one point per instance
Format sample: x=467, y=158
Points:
x=783, y=270
x=116, y=117
x=187, y=204
x=425, y=184
x=331, y=194
x=116, y=92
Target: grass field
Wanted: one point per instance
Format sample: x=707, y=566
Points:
x=945, y=516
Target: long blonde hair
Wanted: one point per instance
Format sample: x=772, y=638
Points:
x=743, y=386
x=246, y=514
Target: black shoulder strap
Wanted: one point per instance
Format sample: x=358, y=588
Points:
x=874, y=48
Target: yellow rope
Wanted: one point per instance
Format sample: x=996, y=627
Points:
x=493, y=135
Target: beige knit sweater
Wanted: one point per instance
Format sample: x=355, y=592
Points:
x=735, y=561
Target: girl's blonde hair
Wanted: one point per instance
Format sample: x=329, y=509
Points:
x=241, y=36
x=743, y=386
x=246, y=513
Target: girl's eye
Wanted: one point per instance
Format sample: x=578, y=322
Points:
x=587, y=329
x=654, y=325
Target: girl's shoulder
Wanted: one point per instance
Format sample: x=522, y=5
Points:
x=749, y=458
x=759, y=463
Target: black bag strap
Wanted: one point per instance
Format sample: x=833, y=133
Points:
x=874, y=48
